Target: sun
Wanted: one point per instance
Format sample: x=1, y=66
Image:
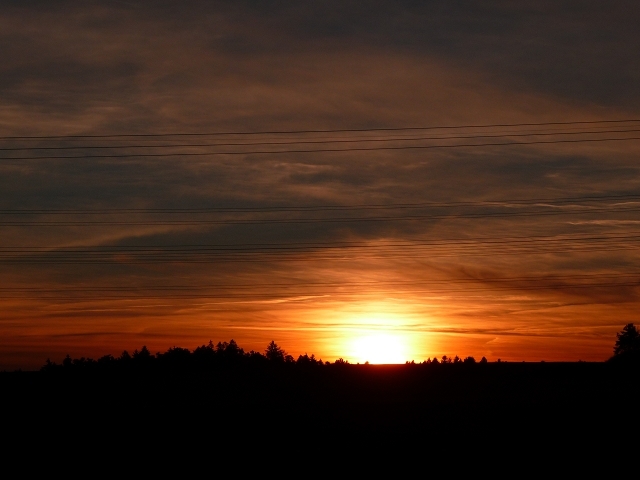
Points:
x=379, y=348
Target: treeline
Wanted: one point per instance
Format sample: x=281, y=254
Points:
x=626, y=351
x=220, y=354
x=455, y=360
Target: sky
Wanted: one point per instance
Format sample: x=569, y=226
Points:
x=382, y=181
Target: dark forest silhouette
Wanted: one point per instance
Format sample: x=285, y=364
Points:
x=220, y=355
x=225, y=391
x=228, y=354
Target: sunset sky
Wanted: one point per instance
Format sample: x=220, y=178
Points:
x=382, y=181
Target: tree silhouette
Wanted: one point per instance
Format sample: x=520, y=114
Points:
x=274, y=353
x=628, y=342
x=144, y=355
x=175, y=355
x=106, y=359
x=307, y=360
x=229, y=351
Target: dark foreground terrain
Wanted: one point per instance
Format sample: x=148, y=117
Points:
x=343, y=403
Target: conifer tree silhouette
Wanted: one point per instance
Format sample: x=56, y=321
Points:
x=628, y=342
x=274, y=353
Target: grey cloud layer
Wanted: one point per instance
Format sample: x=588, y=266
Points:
x=115, y=63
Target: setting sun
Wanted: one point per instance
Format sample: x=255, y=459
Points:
x=379, y=348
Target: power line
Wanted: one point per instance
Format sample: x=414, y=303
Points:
x=197, y=257
x=313, y=208
x=324, y=150
x=587, y=276
x=316, y=141
x=338, y=244
x=337, y=130
x=251, y=286
x=332, y=293
x=359, y=243
x=452, y=242
x=88, y=223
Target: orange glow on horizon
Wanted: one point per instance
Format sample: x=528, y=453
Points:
x=379, y=332
x=378, y=348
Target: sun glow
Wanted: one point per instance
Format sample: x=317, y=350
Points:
x=379, y=348
x=379, y=332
